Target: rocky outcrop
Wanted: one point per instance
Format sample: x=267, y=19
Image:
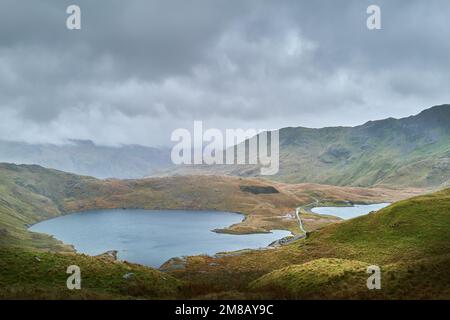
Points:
x=287, y=240
x=176, y=263
x=110, y=255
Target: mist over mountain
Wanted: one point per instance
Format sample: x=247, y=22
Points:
x=412, y=151
x=86, y=158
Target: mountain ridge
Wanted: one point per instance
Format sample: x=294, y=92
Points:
x=411, y=151
x=84, y=157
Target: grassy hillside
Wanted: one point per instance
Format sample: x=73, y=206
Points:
x=346, y=279
x=413, y=151
x=38, y=275
x=409, y=240
x=404, y=152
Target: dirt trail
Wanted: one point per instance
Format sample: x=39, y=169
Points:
x=302, y=208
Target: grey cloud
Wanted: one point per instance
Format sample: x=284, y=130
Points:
x=138, y=69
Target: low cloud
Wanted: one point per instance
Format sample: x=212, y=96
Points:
x=136, y=71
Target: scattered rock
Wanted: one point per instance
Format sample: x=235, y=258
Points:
x=128, y=275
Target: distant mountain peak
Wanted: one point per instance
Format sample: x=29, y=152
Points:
x=438, y=111
x=82, y=142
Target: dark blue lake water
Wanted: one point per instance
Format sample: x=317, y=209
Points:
x=151, y=237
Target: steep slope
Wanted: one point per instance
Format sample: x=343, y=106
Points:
x=413, y=151
x=410, y=240
x=408, y=151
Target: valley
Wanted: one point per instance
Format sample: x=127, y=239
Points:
x=166, y=153
x=30, y=194
x=403, y=162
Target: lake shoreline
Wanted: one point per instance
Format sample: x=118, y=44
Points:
x=141, y=236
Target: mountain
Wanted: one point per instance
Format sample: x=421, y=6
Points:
x=85, y=158
x=407, y=152
x=412, y=151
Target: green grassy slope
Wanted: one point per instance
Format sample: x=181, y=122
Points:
x=29, y=194
x=412, y=151
x=406, y=230
x=38, y=275
x=409, y=240
x=346, y=279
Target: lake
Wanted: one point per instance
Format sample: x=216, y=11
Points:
x=349, y=212
x=151, y=237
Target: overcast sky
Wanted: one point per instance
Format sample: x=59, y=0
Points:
x=139, y=69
